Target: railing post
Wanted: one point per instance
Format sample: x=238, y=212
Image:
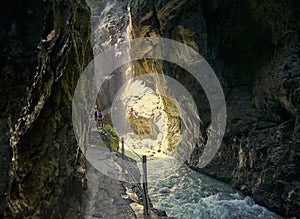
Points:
x=110, y=137
x=145, y=189
x=122, y=141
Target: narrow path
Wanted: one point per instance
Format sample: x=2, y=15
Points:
x=106, y=197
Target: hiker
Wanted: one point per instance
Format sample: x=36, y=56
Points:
x=96, y=115
x=97, y=118
x=100, y=119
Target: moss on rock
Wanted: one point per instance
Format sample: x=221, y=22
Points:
x=110, y=136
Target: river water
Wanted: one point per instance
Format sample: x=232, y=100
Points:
x=187, y=194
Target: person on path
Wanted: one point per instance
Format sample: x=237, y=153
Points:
x=96, y=117
x=100, y=119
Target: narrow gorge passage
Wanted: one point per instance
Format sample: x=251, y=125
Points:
x=48, y=121
x=184, y=193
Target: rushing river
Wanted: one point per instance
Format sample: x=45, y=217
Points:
x=187, y=194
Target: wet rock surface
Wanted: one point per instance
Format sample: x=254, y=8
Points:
x=109, y=22
x=44, y=48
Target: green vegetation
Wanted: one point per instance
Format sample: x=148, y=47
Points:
x=105, y=135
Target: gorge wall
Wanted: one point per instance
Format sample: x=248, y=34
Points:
x=45, y=45
x=254, y=49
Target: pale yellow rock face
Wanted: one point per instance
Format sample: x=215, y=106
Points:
x=154, y=119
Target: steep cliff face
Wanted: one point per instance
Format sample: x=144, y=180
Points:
x=44, y=48
x=253, y=47
x=109, y=23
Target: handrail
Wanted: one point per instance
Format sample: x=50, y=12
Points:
x=139, y=156
x=142, y=190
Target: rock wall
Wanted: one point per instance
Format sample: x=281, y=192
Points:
x=45, y=46
x=109, y=23
x=254, y=49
